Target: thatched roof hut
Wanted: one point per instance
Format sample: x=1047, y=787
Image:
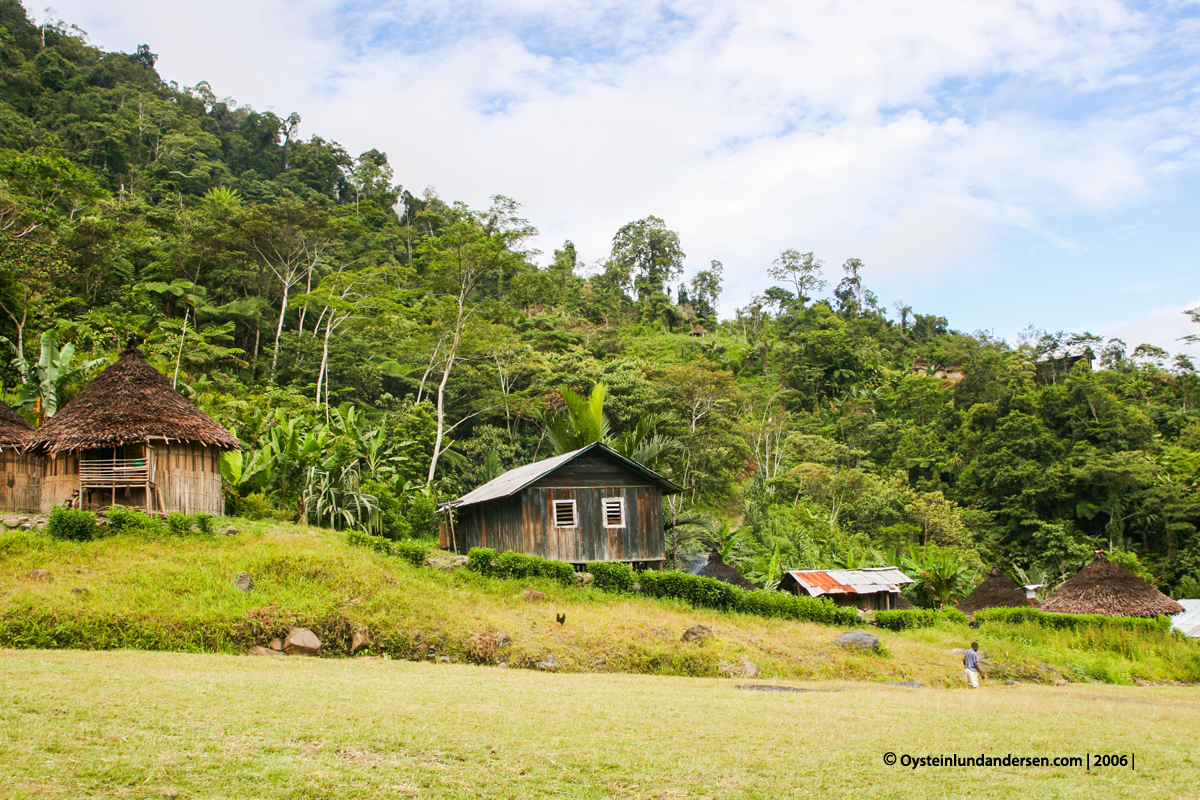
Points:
x=129, y=402
x=718, y=569
x=14, y=431
x=130, y=439
x=996, y=592
x=1103, y=587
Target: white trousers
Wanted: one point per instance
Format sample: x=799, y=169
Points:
x=972, y=678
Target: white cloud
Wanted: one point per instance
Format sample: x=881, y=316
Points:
x=912, y=134
x=1163, y=327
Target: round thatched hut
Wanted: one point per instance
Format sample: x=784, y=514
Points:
x=996, y=592
x=717, y=568
x=130, y=439
x=20, y=472
x=1103, y=587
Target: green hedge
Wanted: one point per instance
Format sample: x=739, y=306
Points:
x=486, y=561
x=1016, y=616
x=413, y=550
x=904, y=619
x=612, y=576
x=694, y=590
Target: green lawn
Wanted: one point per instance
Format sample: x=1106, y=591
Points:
x=152, y=725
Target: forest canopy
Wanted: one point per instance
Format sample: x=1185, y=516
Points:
x=378, y=350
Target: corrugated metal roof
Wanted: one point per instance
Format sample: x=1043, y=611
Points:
x=851, y=581
x=517, y=479
x=1187, y=621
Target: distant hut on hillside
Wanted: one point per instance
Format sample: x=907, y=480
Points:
x=718, y=569
x=996, y=592
x=1103, y=587
x=20, y=471
x=130, y=439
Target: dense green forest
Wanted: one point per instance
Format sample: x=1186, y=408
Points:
x=378, y=351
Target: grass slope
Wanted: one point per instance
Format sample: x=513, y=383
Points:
x=177, y=594
x=156, y=725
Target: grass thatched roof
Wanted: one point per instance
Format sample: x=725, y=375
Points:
x=1103, y=587
x=996, y=592
x=129, y=402
x=14, y=431
x=717, y=568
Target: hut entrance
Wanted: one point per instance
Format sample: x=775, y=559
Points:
x=117, y=476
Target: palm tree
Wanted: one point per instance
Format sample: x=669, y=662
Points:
x=584, y=422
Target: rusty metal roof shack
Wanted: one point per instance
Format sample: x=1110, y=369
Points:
x=870, y=589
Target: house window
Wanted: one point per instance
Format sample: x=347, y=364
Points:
x=564, y=514
x=614, y=512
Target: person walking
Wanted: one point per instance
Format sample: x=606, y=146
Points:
x=971, y=665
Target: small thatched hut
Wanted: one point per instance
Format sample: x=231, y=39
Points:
x=130, y=439
x=996, y=592
x=20, y=472
x=718, y=569
x=1103, y=587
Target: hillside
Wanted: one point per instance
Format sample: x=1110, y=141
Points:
x=178, y=594
x=379, y=349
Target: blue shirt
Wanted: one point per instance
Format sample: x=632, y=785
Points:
x=971, y=660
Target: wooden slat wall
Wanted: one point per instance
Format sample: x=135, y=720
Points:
x=25, y=472
x=525, y=523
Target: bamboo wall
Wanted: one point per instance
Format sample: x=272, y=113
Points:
x=20, y=481
x=184, y=477
x=60, y=479
x=188, y=478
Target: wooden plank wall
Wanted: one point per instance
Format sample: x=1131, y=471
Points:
x=525, y=523
x=20, y=481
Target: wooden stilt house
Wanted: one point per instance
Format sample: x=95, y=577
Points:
x=20, y=471
x=130, y=439
x=591, y=504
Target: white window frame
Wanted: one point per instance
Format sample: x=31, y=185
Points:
x=620, y=501
x=554, y=505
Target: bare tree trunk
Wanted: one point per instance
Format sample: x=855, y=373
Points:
x=459, y=321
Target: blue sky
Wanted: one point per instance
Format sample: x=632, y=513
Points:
x=1000, y=163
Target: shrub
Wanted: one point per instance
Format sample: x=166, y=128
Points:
x=612, y=576
x=518, y=565
x=1016, y=616
x=179, y=523
x=73, y=524
x=256, y=506
x=905, y=619
x=422, y=516
x=413, y=551
x=122, y=519
x=391, y=522
x=204, y=523
x=377, y=543
x=781, y=605
x=698, y=591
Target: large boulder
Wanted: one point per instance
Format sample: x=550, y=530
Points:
x=446, y=562
x=533, y=596
x=858, y=640
x=243, y=582
x=696, y=633
x=259, y=650
x=301, y=642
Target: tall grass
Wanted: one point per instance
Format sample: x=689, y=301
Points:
x=150, y=590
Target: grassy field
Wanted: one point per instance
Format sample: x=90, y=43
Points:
x=155, y=725
x=178, y=594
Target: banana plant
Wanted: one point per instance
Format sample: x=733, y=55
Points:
x=43, y=383
x=243, y=477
